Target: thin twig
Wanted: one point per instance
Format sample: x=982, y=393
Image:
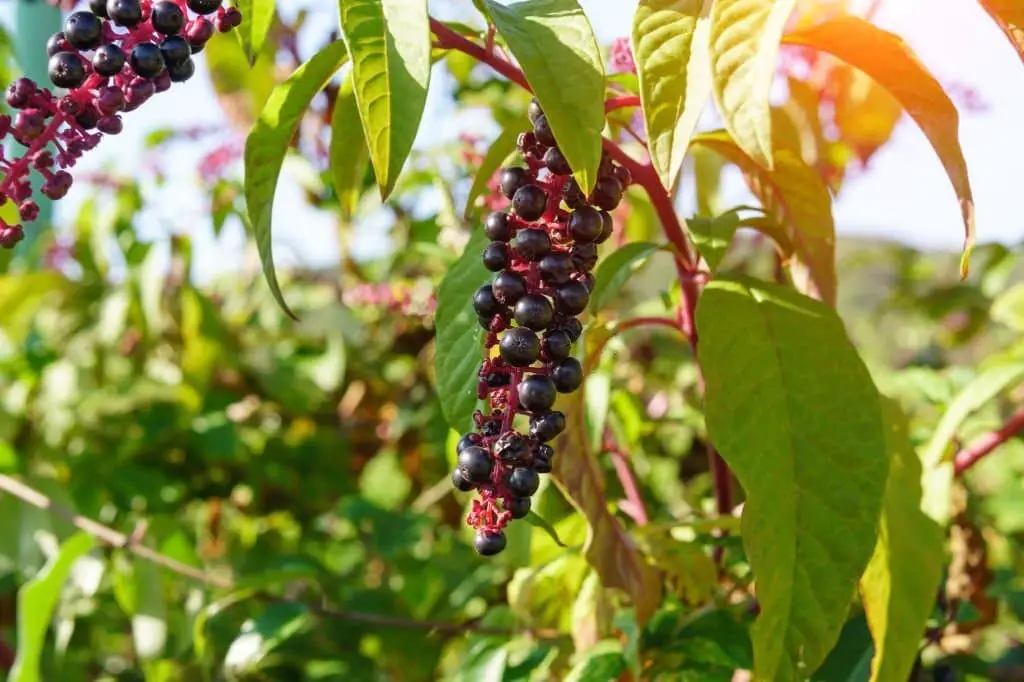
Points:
x=636, y=508
x=973, y=453
x=113, y=538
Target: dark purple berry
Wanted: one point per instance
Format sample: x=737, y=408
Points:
x=475, y=464
x=20, y=92
x=542, y=459
x=557, y=345
x=146, y=60
x=509, y=287
x=567, y=375
x=496, y=256
x=574, y=328
x=108, y=60
x=498, y=227
x=556, y=161
x=542, y=130
x=57, y=43
x=204, y=6
x=66, y=70
x=584, y=256
x=532, y=244
x=512, y=179
x=30, y=123
x=497, y=379
x=163, y=82
x=519, y=347
x=530, y=202
x=461, y=482
x=28, y=211
x=57, y=186
x=83, y=30
x=546, y=427
x=571, y=298
x=523, y=482
x=125, y=12
x=534, y=311
x=88, y=118
x=232, y=19
x=485, y=304
x=167, y=18
x=537, y=393
x=588, y=280
x=491, y=428
x=518, y=506
x=198, y=33
x=109, y=100
x=467, y=441
x=585, y=224
x=572, y=195
x=622, y=174
x=511, y=448
x=489, y=543
x=175, y=50
x=179, y=73
x=533, y=111
x=607, y=193
x=555, y=268
x=111, y=125
x=606, y=228
x=98, y=7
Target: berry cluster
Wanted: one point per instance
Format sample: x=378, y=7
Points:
x=111, y=59
x=543, y=252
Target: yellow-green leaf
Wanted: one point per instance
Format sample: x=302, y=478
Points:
x=500, y=149
x=390, y=45
x=349, y=154
x=267, y=145
x=555, y=45
x=258, y=17
x=898, y=587
x=609, y=548
x=889, y=60
x=744, y=46
x=1009, y=17
x=670, y=47
x=796, y=197
x=712, y=236
x=793, y=410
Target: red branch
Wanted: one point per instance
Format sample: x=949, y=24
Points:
x=621, y=102
x=974, y=452
x=635, y=501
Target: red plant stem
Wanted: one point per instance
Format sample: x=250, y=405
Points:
x=18, y=168
x=621, y=102
x=636, y=510
x=974, y=452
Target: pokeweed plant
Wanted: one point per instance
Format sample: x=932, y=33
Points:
x=841, y=514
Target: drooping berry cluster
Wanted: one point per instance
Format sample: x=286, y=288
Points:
x=111, y=59
x=543, y=252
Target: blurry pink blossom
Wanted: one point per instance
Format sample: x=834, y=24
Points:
x=620, y=56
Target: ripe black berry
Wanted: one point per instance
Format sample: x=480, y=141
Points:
x=545, y=427
x=484, y=302
x=204, y=6
x=509, y=287
x=179, y=73
x=146, y=60
x=534, y=311
x=584, y=256
x=530, y=202
x=491, y=428
x=512, y=179
x=532, y=244
x=556, y=161
x=125, y=12
x=495, y=256
x=488, y=543
x=623, y=175
x=66, y=70
x=571, y=298
x=475, y=463
x=519, y=506
x=523, y=482
x=572, y=195
x=175, y=50
x=588, y=280
x=574, y=328
x=497, y=379
x=56, y=43
x=108, y=60
x=498, y=227
x=98, y=7
x=567, y=375
x=537, y=393
x=585, y=224
x=167, y=18
x=533, y=111
x=607, y=193
x=555, y=268
x=83, y=30
x=198, y=33
x=467, y=441
x=511, y=447
x=519, y=347
x=542, y=459
x=557, y=345
x=542, y=130
x=461, y=482
x=606, y=228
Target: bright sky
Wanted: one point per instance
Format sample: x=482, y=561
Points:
x=906, y=195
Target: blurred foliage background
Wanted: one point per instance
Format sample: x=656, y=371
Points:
x=307, y=462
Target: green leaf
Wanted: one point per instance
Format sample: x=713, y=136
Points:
x=140, y=593
x=268, y=142
x=667, y=34
x=793, y=410
x=261, y=635
x=1008, y=308
x=616, y=269
x=390, y=45
x=712, y=236
x=890, y=61
x=601, y=663
x=349, y=154
x=744, y=47
x=898, y=587
x=500, y=149
x=1009, y=17
x=553, y=42
x=37, y=600
x=795, y=195
x=258, y=17
x=850, y=660
x=537, y=521
x=459, y=346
